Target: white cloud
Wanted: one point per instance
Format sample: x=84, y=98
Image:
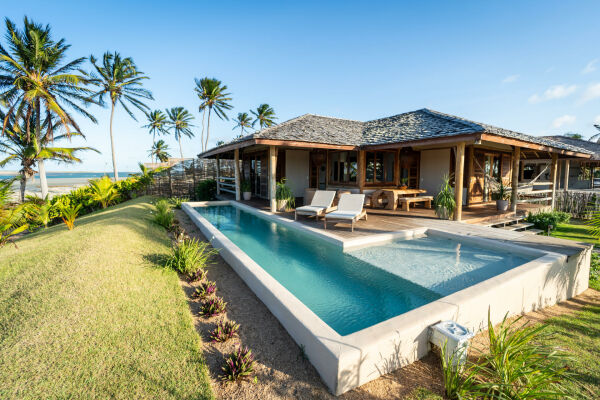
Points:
x=597, y=120
x=591, y=92
x=590, y=67
x=510, y=78
x=564, y=120
x=553, y=92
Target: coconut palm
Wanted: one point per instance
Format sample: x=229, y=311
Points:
x=119, y=79
x=35, y=80
x=596, y=137
x=157, y=121
x=179, y=121
x=18, y=147
x=213, y=96
x=264, y=115
x=243, y=121
x=160, y=151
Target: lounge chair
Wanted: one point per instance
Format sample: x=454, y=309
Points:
x=319, y=205
x=350, y=209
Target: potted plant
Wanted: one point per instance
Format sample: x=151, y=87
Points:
x=404, y=183
x=246, y=190
x=502, y=195
x=444, y=201
x=284, y=196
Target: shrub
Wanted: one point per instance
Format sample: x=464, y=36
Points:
x=207, y=190
x=213, y=307
x=238, y=365
x=595, y=271
x=444, y=201
x=69, y=214
x=205, y=289
x=284, y=193
x=200, y=275
x=245, y=186
x=188, y=256
x=224, y=331
x=164, y=214
x=103, y=191
x=544, y=219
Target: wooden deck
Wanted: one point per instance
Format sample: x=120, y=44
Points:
x=384, y=221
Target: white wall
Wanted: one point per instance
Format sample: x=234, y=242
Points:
x=297, y=171
x=434, y=165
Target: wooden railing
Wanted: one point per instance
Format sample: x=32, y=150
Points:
x=226, y=185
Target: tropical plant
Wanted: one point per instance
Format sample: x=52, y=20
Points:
x=160, y=151
x=543, y=220
x=213, y=96
x=157, y=121
x=206, y=190
x=596, y=137
x=164, y=214
x=39, y=212
x=224, y=331
x=179, y=121
x=503, y=192
x=246, y=186
x=205, y=289
x=243, y=121
x=460, y=379
x=284, y=193
x=189, y=255
x=264, y=115
x=444, y=201
x=119, y=79
x=103, y=191
x=69, y=213
x=176, y=202
x=10, y=216
x=239, y=365
x=212, y=307
x=199, y=276
x=35, y=80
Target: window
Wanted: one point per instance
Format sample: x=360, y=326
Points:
x=343, y=166
x=380, y=167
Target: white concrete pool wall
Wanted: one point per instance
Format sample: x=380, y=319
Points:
x=345, y=362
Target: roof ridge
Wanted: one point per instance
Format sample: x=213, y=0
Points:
x=260, y=132
x=338, y=118
x=454, y=118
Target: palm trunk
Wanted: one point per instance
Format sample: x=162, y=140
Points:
x=112, y=142
x=23, y=185
x=41, y=166
x=202, y=135
x=207, y=130
x=180, y=149
x=153, y=146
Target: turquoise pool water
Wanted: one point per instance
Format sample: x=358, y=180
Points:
x=354, y=290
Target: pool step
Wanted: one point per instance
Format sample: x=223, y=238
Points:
x=534, y=231
x=507, y=221
x=517, y=227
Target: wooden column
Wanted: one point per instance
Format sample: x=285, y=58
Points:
x=397, y=169
x=566, y=181
x=515, y=178
x=553, y=177
x=470, y=169
x=272, y=177
x=458, y=180
x=360, y=178
x=218, y=176
x=236, y=169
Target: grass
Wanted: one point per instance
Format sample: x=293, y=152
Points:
x=574, y=230
x=89, y=313
x=579, y=334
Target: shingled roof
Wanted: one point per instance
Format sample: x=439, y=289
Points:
x=593, y=147
x=411, y=126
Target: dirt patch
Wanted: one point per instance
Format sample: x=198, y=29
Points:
x=281, y=370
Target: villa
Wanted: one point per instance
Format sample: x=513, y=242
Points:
x=414, y=149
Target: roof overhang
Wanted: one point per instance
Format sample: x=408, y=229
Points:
x=533, y=146
x=272, y=142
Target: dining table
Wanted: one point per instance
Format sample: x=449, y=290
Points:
x=392, y=196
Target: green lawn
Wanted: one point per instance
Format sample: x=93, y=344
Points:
x=90, y=314
x=575, y=230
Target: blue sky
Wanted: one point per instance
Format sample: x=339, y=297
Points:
x=529, y=66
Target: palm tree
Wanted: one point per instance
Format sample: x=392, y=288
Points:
x=213, y=96
x=243, y=121
x=179, y=121
x=156, y=123
x=573, y=135
x=264, y=115
x=160, y=150
x=19, y=148
x=119, y=79
x=596, y=137
x=35, y=80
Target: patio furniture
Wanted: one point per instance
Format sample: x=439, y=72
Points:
x=392, y=196
x=350, y=208
x=319, y=205
x=405, y=202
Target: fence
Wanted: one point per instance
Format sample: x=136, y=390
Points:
x=182, y=178
x=579, y=203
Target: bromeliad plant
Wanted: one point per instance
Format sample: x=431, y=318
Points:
x=213, y=307
x=189, y=255
x=205, y=289
x=239, y=365
x=224, y=331
x=444, y=201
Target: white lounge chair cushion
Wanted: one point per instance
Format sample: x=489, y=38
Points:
x=323, y=198
x=351, y=203
x=342, y=215
x=310, y=209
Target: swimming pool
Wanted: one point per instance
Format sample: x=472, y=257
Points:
x=353, y=290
